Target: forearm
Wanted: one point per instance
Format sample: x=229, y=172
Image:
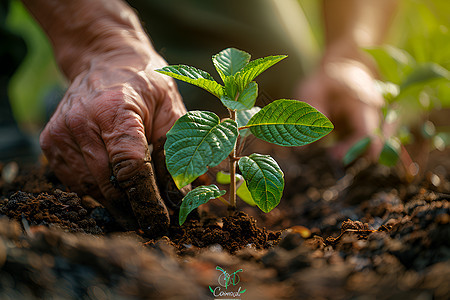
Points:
x=360, y=23
x=82, y=30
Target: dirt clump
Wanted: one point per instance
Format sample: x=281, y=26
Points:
x=59, y=209
x=230, y=233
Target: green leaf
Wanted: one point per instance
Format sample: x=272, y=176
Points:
x=243, y=193
x=392, y=62
x=225, y=178
x=390, y=153
x=423, y=73
x=254, y=68
x=197, y=197
x=246, y=98
x=242, y=118
x=231, y=88
x=194, y=76
x=289, y=123
x=196, y=141
x=229, y=61
x=264, y=180
x=357, y=150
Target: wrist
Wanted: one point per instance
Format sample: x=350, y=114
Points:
x=347, y=50
x=113, y=45
x=83, y=30
x=111, y=51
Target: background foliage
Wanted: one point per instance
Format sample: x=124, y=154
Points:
x=421, y=28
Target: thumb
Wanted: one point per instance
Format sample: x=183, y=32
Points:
x=171, y=108
x=169, y=191
x=143, y=195
x=130, y=160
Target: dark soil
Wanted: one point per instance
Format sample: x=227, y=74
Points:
x=364, y=232
x=232, y=233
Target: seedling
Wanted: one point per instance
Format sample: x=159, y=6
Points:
x=415, y=80
x=411, y=90
x=199, y=139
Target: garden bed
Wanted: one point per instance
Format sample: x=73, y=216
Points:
x=337, y=234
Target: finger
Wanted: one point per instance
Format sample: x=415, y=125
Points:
x=166, y=114
x=357, y=120
x=172, y=196
x=93, y=151
x=65, y=158
x=122, y=131
x=70, y=150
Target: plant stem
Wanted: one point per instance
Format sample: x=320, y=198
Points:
x=224, y=201
x=232, y=159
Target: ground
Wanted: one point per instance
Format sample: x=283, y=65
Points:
x=361, y=232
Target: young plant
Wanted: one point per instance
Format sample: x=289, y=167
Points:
x=412, y=89
x=416, y=84
x=199, y=139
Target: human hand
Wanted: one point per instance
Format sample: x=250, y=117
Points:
x=342, y=88
x=102, y=128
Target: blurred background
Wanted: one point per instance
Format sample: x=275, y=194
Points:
x=419, y=45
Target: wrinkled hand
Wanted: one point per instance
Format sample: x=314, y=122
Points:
x=102, y=128
x=342, y=88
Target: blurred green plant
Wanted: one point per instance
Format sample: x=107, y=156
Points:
x=415, y=78
x=38, y=74
x=413, y=85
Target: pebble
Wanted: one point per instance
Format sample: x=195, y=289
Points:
x=10, y=172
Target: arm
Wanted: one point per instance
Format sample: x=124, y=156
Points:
x=115, y=106
x=82, y=30
x=363, y=23
x=342, y=86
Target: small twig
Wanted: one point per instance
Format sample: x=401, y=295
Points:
x=362, y=232
x=235, y=158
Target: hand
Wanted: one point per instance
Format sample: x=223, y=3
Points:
x=102, y=128
x=342, y=88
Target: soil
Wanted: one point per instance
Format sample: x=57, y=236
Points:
x=361, y=232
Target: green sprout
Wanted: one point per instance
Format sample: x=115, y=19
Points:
x=411, y=89
x=199, y=139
